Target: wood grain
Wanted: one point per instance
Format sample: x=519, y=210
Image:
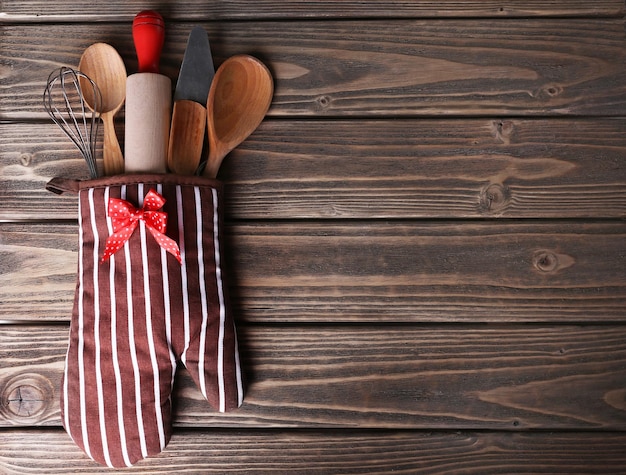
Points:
x=426, y=237
x=400, y=68
x=444, y=168
x=367, y=272
x=42, y=11
x=148, y=113
x=346, y=452
x=405, y=377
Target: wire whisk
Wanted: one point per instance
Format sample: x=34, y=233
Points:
x=64, y=101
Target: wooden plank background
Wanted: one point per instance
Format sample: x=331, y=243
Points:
x=361, y=68
x=351, y=452
x=367, y=272
x=400, y=169
x=426, y=237
x=402, y=377
x=39, y=11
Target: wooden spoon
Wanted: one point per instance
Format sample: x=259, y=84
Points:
x=102, y=63
x=240, y=95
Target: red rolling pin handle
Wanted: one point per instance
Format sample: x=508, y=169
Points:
x=148, y=100
x=149, y=36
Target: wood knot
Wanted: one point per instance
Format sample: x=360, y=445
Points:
x=323, y=102
x=503, y=130
x=546, y=261
x=26, y=159
x=550, y=262
x=549, y=91
x=494, y=198
x=26, y=397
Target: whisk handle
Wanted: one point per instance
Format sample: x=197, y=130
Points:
x=148, y=36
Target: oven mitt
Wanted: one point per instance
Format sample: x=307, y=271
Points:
x=150, y=295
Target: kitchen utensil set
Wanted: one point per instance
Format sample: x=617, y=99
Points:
x=151, y=290
x=157, y=139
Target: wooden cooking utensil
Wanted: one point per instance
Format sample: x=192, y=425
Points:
x=240, y=95
x=190, y=97
x=102, y=63
x=148, y=99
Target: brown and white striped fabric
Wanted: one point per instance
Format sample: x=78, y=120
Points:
x=140, y=314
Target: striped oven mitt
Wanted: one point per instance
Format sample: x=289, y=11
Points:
x=150, y=295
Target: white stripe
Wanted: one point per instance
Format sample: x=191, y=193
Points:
x=66, y=406
x=220, y=293
x=203, y=298
x=149, y=332
x=96, y=330
x=166, y=304
x=81, y=363
x=114, y=357
x=131, y=341
x=183, y=270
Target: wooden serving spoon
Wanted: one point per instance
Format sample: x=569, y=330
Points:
x=102, y=63
x=240, y=95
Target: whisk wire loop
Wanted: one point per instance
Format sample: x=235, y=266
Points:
x=64, y=101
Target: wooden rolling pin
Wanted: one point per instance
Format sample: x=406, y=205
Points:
x=148, y=100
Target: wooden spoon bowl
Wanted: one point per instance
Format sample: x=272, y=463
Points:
x=102, y=63
x=239, y=98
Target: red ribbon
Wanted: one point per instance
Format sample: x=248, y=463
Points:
x=125, y=217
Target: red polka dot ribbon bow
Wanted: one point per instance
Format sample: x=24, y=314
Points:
x=125, y=217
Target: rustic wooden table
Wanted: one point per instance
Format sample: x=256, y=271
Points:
x=426, y=234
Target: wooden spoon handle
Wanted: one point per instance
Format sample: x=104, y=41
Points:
x=212, y=167
x=112, y=153
x=186, y=137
